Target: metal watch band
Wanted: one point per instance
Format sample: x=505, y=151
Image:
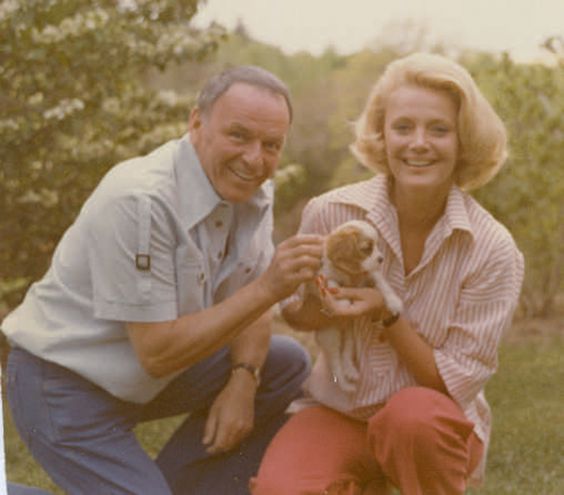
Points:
x=253, y=370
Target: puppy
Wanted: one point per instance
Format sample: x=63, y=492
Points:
x=351, y=259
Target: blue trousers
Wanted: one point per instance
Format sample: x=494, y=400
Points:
x=84, y=439
x=17, y=489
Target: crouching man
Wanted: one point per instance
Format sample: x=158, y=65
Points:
x=157, y=303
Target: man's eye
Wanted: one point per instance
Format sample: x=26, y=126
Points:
x=273, y=146
x=237, y=135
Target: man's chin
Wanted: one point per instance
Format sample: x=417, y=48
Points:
x=239, y=194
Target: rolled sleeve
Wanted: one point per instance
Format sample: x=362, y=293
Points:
x=468, y=357
x=131, y=259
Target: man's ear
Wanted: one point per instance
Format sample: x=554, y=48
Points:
x=195, y=120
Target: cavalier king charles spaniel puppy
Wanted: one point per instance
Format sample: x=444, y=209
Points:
x=351, y=259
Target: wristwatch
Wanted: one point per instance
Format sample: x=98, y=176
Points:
x=253, y=370
x=390, y=320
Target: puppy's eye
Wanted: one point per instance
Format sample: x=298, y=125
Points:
x=366, y=248
x=380, y=259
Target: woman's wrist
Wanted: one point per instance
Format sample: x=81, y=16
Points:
x=385, y=317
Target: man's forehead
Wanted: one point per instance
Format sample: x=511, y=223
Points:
x=244, y=95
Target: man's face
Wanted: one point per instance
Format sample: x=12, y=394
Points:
x=239, y=140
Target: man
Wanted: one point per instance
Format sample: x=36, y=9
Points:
x=158, y=302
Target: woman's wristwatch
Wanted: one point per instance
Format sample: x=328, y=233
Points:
x=390, y=320
x=387, y=319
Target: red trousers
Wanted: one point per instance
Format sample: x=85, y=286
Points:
x=420, y=442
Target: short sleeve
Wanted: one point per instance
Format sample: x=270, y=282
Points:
x=131, y=259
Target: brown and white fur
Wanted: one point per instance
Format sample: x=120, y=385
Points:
x=351, y=258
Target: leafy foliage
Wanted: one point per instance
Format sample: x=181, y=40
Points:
x=82, y=86
x=527, y=194
x=73, y=103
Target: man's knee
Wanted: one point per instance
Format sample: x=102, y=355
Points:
x=287, y=360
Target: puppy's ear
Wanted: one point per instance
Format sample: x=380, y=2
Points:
x=343, y=250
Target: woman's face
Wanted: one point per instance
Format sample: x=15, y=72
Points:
x=421, y=138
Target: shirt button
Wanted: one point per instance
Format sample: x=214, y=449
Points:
x=248, y=270
x=220, y=255
x=201, y=278
x=219, y=224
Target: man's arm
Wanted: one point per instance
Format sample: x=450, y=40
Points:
x=166, y=347
x=232, y=415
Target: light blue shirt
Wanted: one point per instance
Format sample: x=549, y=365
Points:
x=153, y=242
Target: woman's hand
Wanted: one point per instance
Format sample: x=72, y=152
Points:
x=350, y=302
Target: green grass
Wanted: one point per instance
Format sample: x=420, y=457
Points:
x=527, y=451
x=527, y=398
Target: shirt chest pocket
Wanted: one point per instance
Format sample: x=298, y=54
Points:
x=191, y=281
x=242, y=272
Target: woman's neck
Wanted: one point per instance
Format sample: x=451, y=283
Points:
x=418, y=209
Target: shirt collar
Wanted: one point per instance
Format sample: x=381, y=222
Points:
x=197, y=197
x=372, y=196
x=456, y=213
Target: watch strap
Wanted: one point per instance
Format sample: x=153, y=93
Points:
x=390, y=320
x=253, y=370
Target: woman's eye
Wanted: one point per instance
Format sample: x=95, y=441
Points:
x=440, y=129
x=402, y=127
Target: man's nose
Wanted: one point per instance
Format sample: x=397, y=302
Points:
x=253, y=153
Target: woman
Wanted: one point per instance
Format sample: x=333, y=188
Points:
x=418, y=419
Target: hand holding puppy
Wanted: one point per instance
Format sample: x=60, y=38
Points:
x=351, y=302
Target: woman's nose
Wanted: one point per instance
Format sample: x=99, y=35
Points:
x=419, y=139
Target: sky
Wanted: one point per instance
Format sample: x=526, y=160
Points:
x=517, y=26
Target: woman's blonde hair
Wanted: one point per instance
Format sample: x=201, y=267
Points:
x=481, y=133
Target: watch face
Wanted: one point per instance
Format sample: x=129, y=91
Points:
x=253, y=370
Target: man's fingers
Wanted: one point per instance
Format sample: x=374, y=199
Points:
x=210, y=429
x=306, y=240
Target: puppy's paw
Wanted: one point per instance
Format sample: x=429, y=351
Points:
x=394, y=303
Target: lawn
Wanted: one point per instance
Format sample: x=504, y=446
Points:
x=527, y=451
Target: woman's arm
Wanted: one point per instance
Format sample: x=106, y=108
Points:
x=413, y=351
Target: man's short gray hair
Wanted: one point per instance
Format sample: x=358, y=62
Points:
x=247, y=74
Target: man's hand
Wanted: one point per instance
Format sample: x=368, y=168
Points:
x=296, y=260
x=231, y=417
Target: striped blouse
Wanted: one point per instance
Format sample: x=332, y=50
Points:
x=460, y=298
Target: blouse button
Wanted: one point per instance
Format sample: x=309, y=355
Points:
x=201, y=278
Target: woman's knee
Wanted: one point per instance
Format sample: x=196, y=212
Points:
x=421, y=418
x=414, y=408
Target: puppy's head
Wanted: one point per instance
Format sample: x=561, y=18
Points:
x=352, y=247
